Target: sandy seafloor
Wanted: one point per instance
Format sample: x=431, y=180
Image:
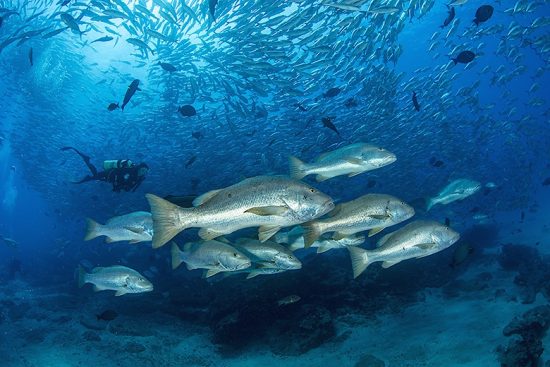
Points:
x=463, y=329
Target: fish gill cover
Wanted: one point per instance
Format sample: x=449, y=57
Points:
x=210, y=93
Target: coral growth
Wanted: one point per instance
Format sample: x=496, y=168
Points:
x=526, y=350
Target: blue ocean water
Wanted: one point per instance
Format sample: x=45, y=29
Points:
x=259, y=76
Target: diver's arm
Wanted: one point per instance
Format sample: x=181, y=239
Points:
x=138, y=182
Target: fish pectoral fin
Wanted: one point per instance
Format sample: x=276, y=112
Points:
x=98, y=288
x=352, y=160
x=387, y=264
x=137, y=230
x=380, y=216
x=374, y=231
x=120, y=292
x=211, y=272
x=353, y=174
x=268, y=210
x=134, y=241
x=321, y=178
x=265, y=265
x=209, y=234
x=200, y=200
x=252, y=274
x=109, y=240
x=426, y=246
x=265, y=232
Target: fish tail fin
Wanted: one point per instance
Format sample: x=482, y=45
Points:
x=359, y=260
x=297, y=168
x=312, y=231
x=168, y=219
x=176, y=256
x=81, y=276
x=92, y=229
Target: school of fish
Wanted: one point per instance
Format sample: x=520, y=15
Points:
x=273, y=82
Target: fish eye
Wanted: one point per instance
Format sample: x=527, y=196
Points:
x=312, y=190
x=235, y=254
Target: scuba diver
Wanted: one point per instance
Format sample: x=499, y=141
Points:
x=121, y=173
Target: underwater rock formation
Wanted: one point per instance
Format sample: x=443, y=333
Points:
x=531, y=329
x=533, y=270
x=309, y=328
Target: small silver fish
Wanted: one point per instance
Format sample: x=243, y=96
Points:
x=415, y=240
x=133, y=227
x=289, y=300
x=116, y=278
x=350, y=160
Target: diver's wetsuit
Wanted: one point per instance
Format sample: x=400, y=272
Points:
x=123, y=178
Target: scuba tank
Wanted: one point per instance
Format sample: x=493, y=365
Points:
x=117, y=163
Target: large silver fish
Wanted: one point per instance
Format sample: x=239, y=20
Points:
x=215, y=256
x=350, y=160
x=117, y=278
x=456, y=190
x=268, y=202
x=415, y=240
x=133, y=227
x=372, y=212
x=270, y=254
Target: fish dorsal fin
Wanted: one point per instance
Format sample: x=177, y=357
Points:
x=323, y=248
x=268, y=210
x=265, y=232
x=387, y=264
x=353, y=174
x=97, y=269
x=322, y=156
x=138, y=230
x=426, y=246
x=374, y=231
x=200, y=200
x=223, y=239
x=211, y=272
x=109, y=240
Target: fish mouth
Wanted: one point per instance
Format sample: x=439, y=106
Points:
x=244, y=265
x=328, y=205
x=455, y=238
x=389, y=159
